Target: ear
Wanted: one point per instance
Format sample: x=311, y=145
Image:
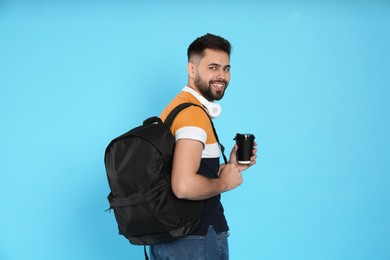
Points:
x=191, y=69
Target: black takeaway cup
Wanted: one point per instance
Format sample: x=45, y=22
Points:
x=245, y=144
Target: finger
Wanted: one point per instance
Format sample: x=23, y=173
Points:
x=254, y=152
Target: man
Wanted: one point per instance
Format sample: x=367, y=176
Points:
x=196, y=172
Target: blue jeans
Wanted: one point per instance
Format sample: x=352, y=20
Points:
x=213, y=246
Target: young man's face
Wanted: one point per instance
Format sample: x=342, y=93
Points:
x=212, y=74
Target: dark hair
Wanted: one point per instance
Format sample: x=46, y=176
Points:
x=208, y=41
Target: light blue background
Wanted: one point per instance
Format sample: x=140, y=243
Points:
x=309, y=78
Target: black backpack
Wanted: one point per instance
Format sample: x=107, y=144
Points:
x=138, y=165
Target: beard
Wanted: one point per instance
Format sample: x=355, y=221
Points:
x=206, y=89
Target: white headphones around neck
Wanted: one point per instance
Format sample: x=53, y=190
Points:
x=213, y=108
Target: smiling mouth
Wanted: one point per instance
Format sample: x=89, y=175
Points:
x=219, y=85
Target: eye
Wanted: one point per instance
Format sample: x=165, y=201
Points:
x=227, y=69
x=213, y=67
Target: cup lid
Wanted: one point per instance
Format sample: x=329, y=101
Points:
x=244, y=136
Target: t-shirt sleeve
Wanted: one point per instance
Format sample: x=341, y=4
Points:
x=191, y=123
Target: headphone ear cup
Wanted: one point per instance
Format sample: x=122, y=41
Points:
x=214, y=109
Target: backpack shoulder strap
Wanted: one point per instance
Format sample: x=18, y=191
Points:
x=168, y=122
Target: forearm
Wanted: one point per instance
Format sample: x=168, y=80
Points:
x=199, y=188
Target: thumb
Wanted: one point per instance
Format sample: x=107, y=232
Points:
x=233, y=154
